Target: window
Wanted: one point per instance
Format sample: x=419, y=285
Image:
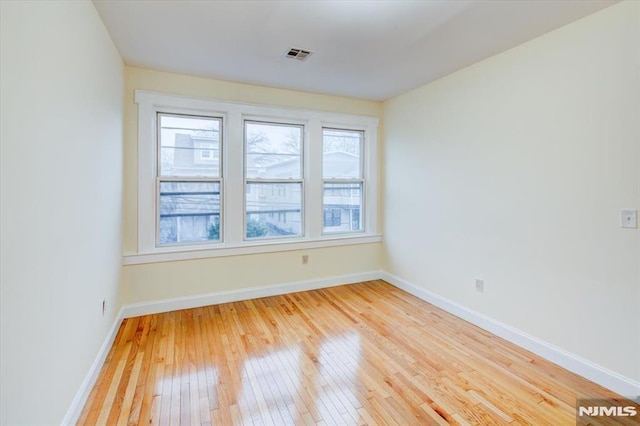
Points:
x=205, y=153
x=220, y=178
x=332, y=217
x=343, y=180
x=273, y=180
x=188, y=190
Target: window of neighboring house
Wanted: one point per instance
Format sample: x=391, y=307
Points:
x=188, y=190
x=342, y=179
x=273, y=180
x=205, y=153
x=222, y=178
x=332, y=217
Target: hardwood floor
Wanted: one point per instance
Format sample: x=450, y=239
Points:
x=359, y=354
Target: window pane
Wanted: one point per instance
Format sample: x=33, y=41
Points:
x=189, y=146
x=341, y=154
x=342, y=207
x=273, y=210
x=189, y=212
x=273, y=151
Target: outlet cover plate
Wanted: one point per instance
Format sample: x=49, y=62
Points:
x=628, y=218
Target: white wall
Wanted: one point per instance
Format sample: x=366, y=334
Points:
x=158, y=281
x=514, y=170
x=61, y=148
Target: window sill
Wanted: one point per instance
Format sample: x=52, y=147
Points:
x=181, y=253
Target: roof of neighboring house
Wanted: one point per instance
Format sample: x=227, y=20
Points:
x=342, y=164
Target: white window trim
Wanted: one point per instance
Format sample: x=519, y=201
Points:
x=358, y=180
x=169, y=178
x=233, y=115
x=257, y=180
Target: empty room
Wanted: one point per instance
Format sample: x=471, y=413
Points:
x=320, y=212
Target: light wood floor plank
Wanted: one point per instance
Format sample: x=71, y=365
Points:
x=362, y=354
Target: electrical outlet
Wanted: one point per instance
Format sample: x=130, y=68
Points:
x=305, y=259
x=628, y=218
x=479, y=286
x=104, y=306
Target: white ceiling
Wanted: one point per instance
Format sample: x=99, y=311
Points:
x=365, y=49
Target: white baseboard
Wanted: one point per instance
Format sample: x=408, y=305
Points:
x=74, y=411
x=197, y=301
x=583, y=367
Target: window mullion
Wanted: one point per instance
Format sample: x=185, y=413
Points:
x=313, y=159
x=234, y=182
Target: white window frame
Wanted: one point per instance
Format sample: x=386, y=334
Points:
x=274, y=181
x=160, y=178
x=359, y=180
x=233, y=116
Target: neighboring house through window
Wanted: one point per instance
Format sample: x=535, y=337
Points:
x=188, y=190
x=343, y=180
x=273, y=169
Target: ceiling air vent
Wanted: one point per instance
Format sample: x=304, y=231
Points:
x=299, y=54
